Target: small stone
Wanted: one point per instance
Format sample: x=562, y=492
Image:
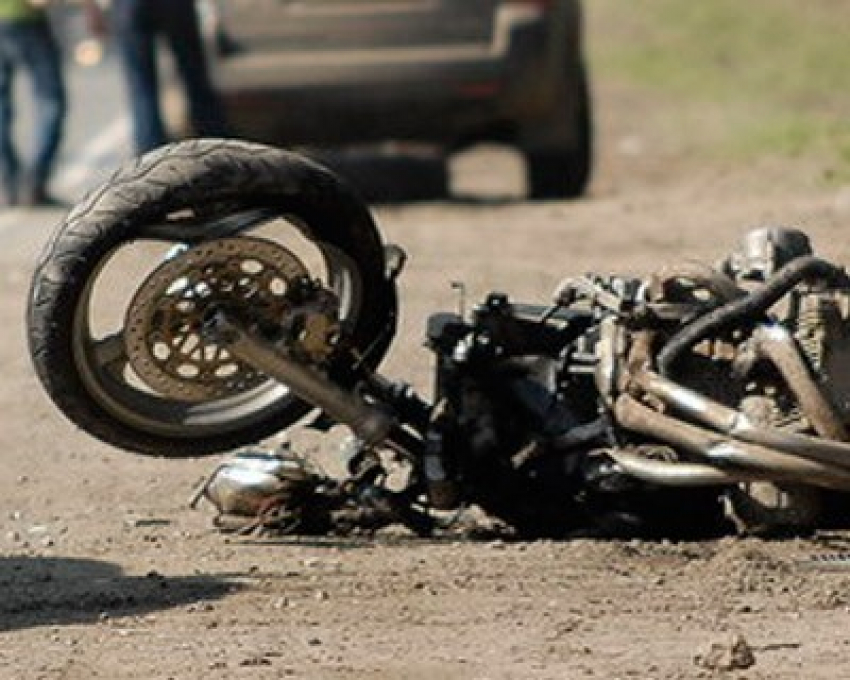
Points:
x=255, y=661
x=728, y=656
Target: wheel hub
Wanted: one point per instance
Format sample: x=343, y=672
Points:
x=164, y=337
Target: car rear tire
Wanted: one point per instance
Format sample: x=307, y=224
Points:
x=564, y=172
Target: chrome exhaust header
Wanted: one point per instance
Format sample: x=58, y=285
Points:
x=742, y=461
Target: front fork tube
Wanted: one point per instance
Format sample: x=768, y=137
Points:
x=372, y=423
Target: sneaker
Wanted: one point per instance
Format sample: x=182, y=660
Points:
x=8, y=195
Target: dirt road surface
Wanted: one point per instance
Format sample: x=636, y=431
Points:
x=105, y=572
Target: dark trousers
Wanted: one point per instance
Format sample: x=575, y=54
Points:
x=138, y=26
x=30, y=46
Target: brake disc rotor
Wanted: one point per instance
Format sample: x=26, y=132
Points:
x=163, y=326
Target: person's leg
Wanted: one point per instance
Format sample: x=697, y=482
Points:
x=44, y=64
x=178, y=20
x=9, y=165
x=136, y=38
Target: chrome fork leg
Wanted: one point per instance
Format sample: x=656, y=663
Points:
x=369, y=422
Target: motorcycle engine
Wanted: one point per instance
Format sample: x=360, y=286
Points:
x=821, y=326
x=817, y=315
x=526, y=395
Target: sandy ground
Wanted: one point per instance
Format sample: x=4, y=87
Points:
x=105, y=571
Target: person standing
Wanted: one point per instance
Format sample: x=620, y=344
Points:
x=27, y=44
x=137, y=25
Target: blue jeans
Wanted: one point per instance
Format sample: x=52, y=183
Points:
x=30, y=46
x=138, y=26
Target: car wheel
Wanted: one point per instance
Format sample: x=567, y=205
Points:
x=564, y=172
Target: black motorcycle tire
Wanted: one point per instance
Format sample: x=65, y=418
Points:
x=199, y=175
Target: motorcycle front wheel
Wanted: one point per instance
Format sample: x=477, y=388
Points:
x=120, y=291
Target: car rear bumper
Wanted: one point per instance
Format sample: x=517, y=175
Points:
x=440, y=94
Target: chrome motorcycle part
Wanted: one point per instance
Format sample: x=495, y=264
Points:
x=165, y=340
x=821, y=326
x=676, y=473
x=739, y=426
x=766, y=250
x=610, y=353
x=725, y=452
x=369, y=422
x=247, y=482
x=776, y=344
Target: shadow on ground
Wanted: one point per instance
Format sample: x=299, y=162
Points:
x=409, y=173
x=388, y=175
x=43, y=591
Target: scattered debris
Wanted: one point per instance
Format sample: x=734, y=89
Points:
x=731, y=655
x=141, y=522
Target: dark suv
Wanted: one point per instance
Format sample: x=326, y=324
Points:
x=447, y=72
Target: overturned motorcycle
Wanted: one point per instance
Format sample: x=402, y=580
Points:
x=215, y=293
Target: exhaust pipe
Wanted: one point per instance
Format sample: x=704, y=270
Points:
x=737, y=425
x=667, y=473
x=735, y=457
x=777, y=345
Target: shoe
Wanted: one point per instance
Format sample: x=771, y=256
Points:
x=8, y=194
